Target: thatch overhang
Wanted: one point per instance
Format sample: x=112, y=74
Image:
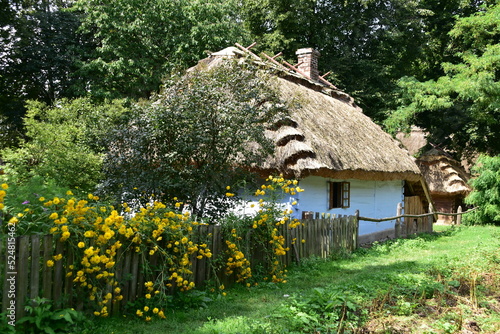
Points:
x=327, y=134
x=444, y=175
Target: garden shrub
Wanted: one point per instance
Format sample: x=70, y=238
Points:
x=164, y=237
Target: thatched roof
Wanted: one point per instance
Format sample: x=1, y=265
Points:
x=333, y=138
x=444, y=175
x=328, y=135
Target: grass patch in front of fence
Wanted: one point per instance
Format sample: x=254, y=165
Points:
x=435, y=283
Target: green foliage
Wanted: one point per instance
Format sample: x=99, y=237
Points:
x=142, y=42
x=4, y=325
x=185, y=142
x=25, y=198
x=460, y=109
x=486, y=192
x=323, y=310
x=42, y=318
x=64, y=143
x=41, y=49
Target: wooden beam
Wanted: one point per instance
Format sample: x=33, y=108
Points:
x=272, y=59
x=296, y=70
x=247, y=50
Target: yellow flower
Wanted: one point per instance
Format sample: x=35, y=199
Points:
x=69, y=193
x=148, y=296
x=81, y=244
x=57, y=257
x=13, y=220
x=5, y=186
x=155, y=310
x=56, y=200
x=146, y=308
x=41, y=199
x=117, y=290
x=151, y=252
x=228, y=187
x=229, y=194
x=50, y=263
x=139, y=313
x=148, y=319
x=161, y=315
x=53, y=215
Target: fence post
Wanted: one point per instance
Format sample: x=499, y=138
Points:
x=397, y=227
x=430, y=219
x=459, y=216
x=356, y=230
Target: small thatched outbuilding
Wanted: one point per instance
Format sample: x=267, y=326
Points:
x=344, y=161
x=446, y=177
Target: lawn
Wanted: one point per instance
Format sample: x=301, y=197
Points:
x=447, y=282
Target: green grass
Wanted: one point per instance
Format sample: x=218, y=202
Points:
x=440, y=283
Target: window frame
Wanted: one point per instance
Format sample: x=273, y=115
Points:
x=339, y=195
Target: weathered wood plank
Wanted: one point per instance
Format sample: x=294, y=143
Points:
x=35, y=267
x=57, y=283
x=22, y=281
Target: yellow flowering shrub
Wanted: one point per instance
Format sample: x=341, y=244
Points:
x=97, y=233
x=164, y=238
x=263, y=231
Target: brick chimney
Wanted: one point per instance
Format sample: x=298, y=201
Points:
x=308, y=60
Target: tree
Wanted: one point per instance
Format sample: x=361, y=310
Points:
x=486, y=191
x=460, y=110
x=64, y=143
x=198, y=136
x=40, y=52
x=142, y=42
x=366, y=44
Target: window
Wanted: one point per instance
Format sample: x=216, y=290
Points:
x=340, y=195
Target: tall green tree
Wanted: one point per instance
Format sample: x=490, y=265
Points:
x=40, y=52
x=142, y=42
x=367, y=44
x=461, y=109
x=199, y=135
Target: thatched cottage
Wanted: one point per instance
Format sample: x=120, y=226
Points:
x=344, y=161
x=446, y=177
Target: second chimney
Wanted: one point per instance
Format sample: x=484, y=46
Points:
x=308, y=62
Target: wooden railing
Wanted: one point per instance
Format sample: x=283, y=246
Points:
x=419, y=222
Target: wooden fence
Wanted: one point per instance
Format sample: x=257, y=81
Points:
x=322, y=235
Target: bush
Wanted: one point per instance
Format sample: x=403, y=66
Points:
x=486, y=192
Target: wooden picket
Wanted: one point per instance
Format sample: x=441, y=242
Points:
x=323, y=236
